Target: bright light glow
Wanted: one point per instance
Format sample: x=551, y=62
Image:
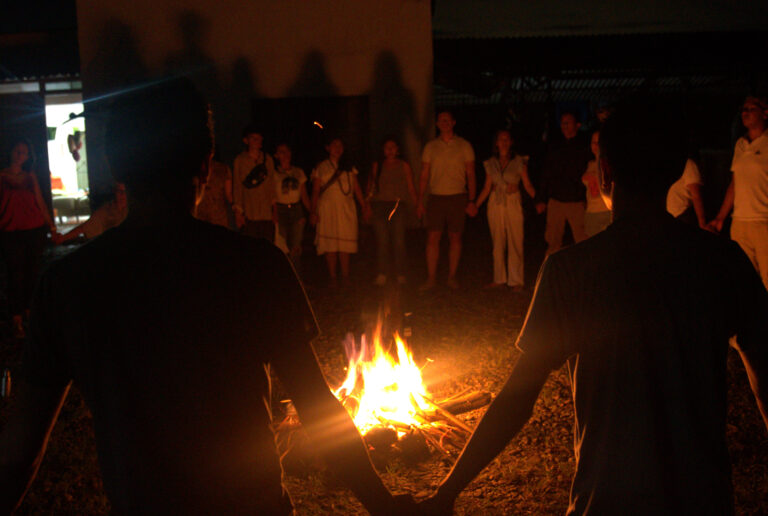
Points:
x=381, y=389
x=318, y=124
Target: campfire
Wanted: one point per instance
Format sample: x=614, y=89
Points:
x=392, y=408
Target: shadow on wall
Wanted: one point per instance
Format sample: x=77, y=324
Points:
x=392, y=105
x=313, y=80
x=231, y=100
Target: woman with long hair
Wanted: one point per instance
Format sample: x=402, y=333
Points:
x=504, y=172
x=333, y=211
x=390, y=188
x=24, y=223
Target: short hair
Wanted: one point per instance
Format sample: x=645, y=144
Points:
x=641, y=144
x=157, y=136
x=569, y=112
x=252, y=129
x=446, y=111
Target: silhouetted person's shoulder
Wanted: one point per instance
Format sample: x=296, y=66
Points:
x=166, y=330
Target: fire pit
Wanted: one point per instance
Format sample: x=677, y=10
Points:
x=386, y=397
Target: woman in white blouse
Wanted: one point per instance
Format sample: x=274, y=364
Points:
x=504, y=172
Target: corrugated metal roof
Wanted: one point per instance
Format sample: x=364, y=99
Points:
x=585, y=88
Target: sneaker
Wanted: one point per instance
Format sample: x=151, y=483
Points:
x=491, y=286
x=380, y=280
x=401, y=280
x=452, y=284
x=517, y=288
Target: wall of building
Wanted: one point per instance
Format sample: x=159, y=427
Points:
x=239, y=51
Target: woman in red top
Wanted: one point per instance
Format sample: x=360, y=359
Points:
x=24, y=222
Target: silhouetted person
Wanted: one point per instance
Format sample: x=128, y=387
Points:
x=647, y=307
x=169, y=341
x=561, y=192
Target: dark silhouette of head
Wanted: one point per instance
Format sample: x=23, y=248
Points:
x=640, y=144
x=157, y=139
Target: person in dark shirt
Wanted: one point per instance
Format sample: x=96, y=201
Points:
x=169, y=343
x=647, y=308
x=561, y=193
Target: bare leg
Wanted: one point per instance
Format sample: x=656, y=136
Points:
x=454, y=255
x=344, y=262
x=330, y=260
x=433, y=254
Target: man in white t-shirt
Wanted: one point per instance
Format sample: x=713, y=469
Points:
x=686, y=193
x=448, y=167
x=748, y=192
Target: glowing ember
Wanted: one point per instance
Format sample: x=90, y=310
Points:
x=381, y=389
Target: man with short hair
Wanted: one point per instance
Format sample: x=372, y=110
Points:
x=166, y=324
x=253, y=187
x=448, y=167
x=562, y=193
x=647, y=308
x=747, y=193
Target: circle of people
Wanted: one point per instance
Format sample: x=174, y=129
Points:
x=266, y=192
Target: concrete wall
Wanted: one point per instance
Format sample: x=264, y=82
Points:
x=238, y=51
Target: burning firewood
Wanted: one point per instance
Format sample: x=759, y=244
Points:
x=386, y=398
x=466, y=403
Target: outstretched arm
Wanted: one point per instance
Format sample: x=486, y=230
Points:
x=24, y=439
x=527, y=184
x=756, y=364
x=423, y=182
x=717, y=223
x=485, y=192
x=504, y=418
x=331, y=429
x=698, y=204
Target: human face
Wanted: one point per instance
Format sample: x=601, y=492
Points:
x=594, y=144
x=752, y=115
x=569, y=126
x=19, y=154
x=503, y=143
x=390, y=150
x=253, y=142
x=283, y=155
x=445, y=123
x=335, y=149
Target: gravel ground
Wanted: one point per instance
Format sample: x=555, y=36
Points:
x=469, y=337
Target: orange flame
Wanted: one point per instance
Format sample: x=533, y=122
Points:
x=381, y=389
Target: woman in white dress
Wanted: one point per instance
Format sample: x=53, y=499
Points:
x=503, y=174
x=334, y=190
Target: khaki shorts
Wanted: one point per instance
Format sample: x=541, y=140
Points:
x=446, y=212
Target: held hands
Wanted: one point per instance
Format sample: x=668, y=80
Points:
x=715, y=226
x=541, y=207
x=420, y=210
x=314, y=219
x=471, y=209
x=239, y=219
